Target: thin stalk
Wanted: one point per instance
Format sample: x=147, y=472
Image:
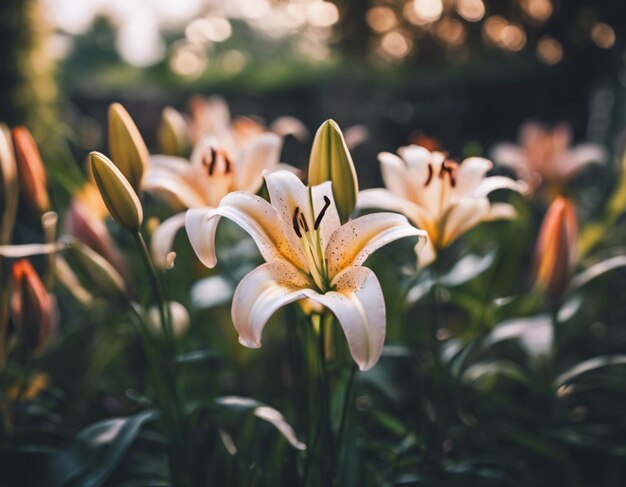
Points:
x=171, y=399
x=347, y=399
x=49, y=222
x=155, y=283
x=4, y=314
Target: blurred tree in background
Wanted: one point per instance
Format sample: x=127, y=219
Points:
x=27, y=86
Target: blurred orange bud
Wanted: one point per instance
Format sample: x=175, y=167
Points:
x=420, y=138
x=34, y=310
x=31, y=171
x=556, y=251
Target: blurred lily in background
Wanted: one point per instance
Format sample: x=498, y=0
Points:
x=204, y=180
x=211, y=116
x=308, y=254
x=545, y=157
x=556, y=251
x=443, y=197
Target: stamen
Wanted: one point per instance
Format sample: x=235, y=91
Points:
x=227, y=163
x=318, y=220
x=296, y=227
x=213, y=161
x=430, y=174
x=450, y=169
x=305, y=226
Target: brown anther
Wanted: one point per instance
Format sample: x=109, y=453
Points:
x=430, y=174
x=303, y=222
x=228, y=165
x=449, y=167
x=296, y=225
x=318, y=220
x=209, y=160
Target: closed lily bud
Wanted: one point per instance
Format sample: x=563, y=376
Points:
x=34, y=311
x=117, y=193
x=31, y=171
x=126, y=146
x=178, y=314
x=8, y=185
x=172, y=135
x=103, y=275
x=331, y=161
x=556, y=251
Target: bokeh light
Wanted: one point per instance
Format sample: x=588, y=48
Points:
x=603, y=35
x=549, y=50
x=470, y=10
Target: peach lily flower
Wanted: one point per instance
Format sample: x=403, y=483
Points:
x=211, y=116
x=211, y=174
x=441, y=196
x=308, y=254
x=544, y=156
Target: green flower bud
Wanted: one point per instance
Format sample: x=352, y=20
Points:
x=118, y=195
x=97, y=269
x=126, y=146
x=331, y=161
x=172, y=136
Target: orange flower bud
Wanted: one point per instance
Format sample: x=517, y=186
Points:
x=31, y=170
x=34, y=310
x=556, y=252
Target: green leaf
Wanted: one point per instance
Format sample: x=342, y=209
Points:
x=261, y=411
x=534, y=333
x=467, y=268
x=595, y=271
x=587, y=366
x=99, y=448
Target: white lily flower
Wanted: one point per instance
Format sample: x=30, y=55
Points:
x=545, y=156
x=443, y=197
x=203, y=181
x=308, y=254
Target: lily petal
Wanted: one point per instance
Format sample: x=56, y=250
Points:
x=260, y=293
x=470, y=174
x=254, y=215
x=498, y=182
x=262, y=153
x=175, y=189
x=163, y=241
x=395, y=175
x=500, y=211
x=385, y=200
x=425, y=255
x=417, y=158
x=353, y=242
x=359, y=306
x=574, y=160
x=287, y=193
x=459, y=218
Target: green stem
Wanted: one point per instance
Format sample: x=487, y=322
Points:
x=157, y=290
x=347, y=399
x=4, y=315
x=171, y=398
